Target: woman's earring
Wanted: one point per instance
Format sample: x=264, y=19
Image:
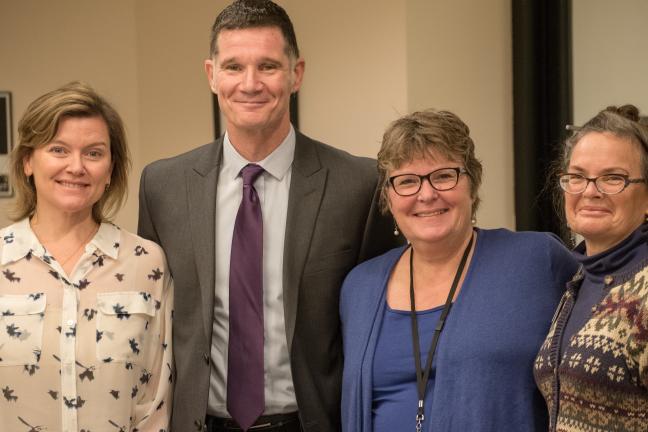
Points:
x=396, y=232
x=473, y=220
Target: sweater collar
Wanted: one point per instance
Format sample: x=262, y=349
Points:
x=616, y=260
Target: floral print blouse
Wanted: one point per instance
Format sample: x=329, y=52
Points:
x=88, y=352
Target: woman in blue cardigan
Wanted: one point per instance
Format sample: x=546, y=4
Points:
x=441, y=335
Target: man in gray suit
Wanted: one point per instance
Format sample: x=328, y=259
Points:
x=320, y=218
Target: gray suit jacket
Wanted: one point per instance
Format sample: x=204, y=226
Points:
x=333, y=224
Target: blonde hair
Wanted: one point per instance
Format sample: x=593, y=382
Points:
x=39, y=126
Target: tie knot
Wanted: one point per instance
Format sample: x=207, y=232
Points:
x=250, y=172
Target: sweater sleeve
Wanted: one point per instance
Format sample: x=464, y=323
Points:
x=638, y=342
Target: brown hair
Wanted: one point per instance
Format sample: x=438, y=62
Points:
x=419, y=134
x=243, y=14
x=623, y=122
x=39, y=126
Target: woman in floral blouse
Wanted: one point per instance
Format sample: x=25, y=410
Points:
x=593, y=367
x=85, y=307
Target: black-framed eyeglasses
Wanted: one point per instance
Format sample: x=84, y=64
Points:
x=608, y=184
x=442, y=179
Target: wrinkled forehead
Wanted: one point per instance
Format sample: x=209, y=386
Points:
x=608, y=148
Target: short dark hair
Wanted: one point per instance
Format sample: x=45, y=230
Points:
x=243, y=14
x=416, y=136
x=39, y=125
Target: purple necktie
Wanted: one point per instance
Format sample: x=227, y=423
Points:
x=245, y=400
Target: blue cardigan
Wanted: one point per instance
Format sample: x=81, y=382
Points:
x=484, y=378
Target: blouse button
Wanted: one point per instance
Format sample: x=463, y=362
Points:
x=608, y=279
x=70, y=323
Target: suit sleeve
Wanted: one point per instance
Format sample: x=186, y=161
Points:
x=145, y=227
x=378, y=236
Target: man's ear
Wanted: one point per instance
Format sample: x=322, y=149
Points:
x=298, y=74
x=210, y=68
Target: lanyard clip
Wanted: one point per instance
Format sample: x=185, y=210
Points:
x=419, y=412
x=419, y=416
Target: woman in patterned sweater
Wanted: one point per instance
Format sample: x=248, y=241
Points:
x=85, y=307
x=593, y=367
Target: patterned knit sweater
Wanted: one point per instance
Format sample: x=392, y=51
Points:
x=601, y=380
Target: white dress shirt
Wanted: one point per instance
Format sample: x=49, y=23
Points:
x=273, y=187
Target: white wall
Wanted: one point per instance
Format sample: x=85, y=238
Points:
x=45, y=44
x=610, y=42
x=459, y=58
x=367, y=63
x=356, y=70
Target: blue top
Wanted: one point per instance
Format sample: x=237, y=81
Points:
x=395, y=398
x=620, y=258
x=484, y=379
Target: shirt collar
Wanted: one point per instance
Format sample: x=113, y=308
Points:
x=107, y=239
x=19, y=240
x=276, y=163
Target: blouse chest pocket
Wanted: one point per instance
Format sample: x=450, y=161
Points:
x=21, y=328
x=123, y=326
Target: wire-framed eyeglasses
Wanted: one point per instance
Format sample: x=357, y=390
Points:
x=442, y=179
x=608, y=184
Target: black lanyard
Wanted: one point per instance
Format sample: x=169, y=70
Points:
x=423, y=375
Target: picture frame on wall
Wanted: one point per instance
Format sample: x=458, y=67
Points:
x=6, y=189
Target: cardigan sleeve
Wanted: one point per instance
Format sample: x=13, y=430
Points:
x=563, y=265
x=639, y=341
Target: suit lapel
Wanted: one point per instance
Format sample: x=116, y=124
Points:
x=202, y=179
x=306, y=190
